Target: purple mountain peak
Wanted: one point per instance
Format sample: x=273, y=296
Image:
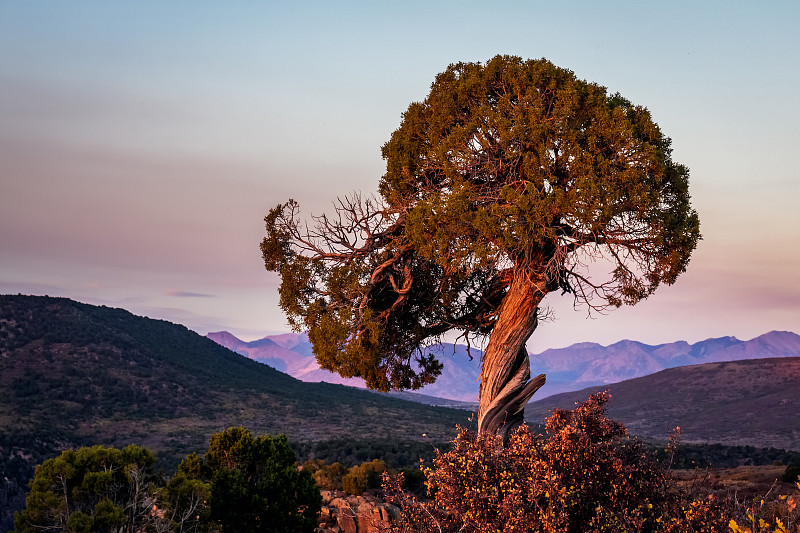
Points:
x=571, y=368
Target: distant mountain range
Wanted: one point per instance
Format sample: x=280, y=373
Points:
x=568, y=369
x=719, y=390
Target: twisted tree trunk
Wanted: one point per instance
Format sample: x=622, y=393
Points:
x=506, y=384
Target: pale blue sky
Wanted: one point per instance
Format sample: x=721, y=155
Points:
x=141, y=143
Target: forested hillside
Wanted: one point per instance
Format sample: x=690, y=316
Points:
x=73, y=374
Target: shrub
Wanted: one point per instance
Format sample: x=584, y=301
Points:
x=91, y=489
x=185, y=501
x=364, y=477
x=791, y=474
x=587, y=475
x=414, y=480
x=327, y=477
x=782, y=516
x=256, y=485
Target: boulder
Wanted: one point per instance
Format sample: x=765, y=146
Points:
x=356, y=514
x=347, y=521
x=339, y=503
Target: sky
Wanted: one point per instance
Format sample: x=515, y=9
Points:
x=142, y=143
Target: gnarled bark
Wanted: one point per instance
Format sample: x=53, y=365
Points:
x=505, y=373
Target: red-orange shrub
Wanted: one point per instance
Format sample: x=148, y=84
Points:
x=586, y=476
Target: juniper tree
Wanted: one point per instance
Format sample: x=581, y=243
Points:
x=512, y=180
x=92, y=489
x=255, y=484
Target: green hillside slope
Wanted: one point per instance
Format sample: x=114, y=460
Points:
x=73, y=374
x=751, y=402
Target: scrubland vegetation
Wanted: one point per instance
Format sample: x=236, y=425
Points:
x=111, y=378
x=584, y=474
x=242, y=483
x=75, y=375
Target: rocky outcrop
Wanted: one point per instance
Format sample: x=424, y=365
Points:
x=355, y=514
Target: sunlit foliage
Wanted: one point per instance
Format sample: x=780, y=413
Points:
x=365, y=476
x=511, y=180
x=586, y=475
x=763, y=516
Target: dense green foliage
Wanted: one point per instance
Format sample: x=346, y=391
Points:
x=360, y=478
x=326, y=476
x=243, y=484
x=93, y=489
x=510, y=175
x=185, y=501
x=256, y=486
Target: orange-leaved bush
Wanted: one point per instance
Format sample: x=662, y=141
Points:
x=781, y=516
x=587, y=475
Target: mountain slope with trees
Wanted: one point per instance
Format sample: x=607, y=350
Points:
x=750, y=402
x=73, y=374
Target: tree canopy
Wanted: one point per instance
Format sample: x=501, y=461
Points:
x=511, y=180
x=244, y=484
x=256, y=485
x=91, y=489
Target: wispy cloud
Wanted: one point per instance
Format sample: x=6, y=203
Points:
x=186, y=294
